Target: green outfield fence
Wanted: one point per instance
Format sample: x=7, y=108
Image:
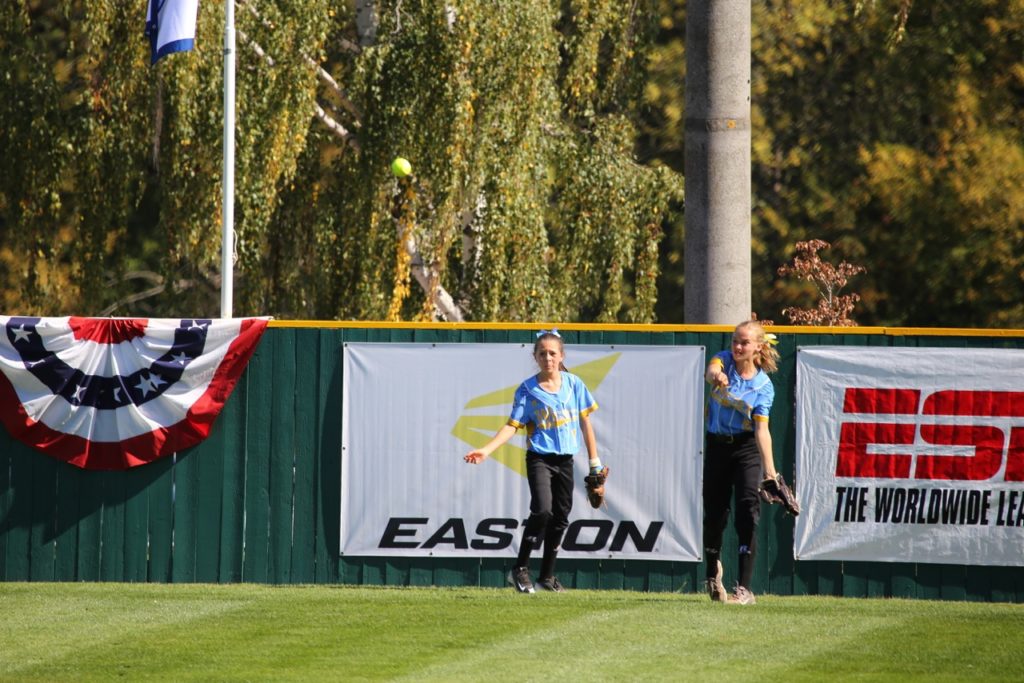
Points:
x=258, y=501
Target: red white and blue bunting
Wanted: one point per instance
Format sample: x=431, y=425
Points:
x=113, y=393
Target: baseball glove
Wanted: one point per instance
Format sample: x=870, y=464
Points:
x=776, y=491
x=595, y=487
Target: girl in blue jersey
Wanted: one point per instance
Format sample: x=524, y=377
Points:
x=739, y=452
x=554, y=407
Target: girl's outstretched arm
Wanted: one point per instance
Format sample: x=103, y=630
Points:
x=478, y=455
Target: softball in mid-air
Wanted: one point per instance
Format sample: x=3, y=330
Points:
x=401, y=167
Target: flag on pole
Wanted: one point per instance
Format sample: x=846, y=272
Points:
x=113, y=393
x=171, y=26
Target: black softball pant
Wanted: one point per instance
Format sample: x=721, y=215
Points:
x=731, y=470
x=550, y=478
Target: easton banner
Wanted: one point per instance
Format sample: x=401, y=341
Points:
x=910, y=455
x=410, y=412
x=114, y=393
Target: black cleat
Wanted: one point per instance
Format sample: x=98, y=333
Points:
x=551, y=584
x=519, y=577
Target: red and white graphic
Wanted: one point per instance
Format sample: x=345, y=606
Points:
x=107, y=394
x=911, y=455
x=990, y=450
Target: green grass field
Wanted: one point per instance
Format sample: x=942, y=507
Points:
x=137, y=632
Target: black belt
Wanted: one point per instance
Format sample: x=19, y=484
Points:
x=729, y=438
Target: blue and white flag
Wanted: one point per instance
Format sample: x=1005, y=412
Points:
x=171, y=26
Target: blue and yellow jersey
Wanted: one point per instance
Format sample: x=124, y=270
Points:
x=733, y=409
x=552, y=421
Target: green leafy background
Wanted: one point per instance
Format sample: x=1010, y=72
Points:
x=546, y=138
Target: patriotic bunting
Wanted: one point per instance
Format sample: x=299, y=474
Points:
x=113, y=393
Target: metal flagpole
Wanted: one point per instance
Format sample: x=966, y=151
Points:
x=227, y=248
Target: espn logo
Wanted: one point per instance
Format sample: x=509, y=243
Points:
x=988, y=445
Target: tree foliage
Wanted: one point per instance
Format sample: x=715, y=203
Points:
x=893, y=137
x=112, y=168
x=527, y=201
x=546, y=138
x=831, y=309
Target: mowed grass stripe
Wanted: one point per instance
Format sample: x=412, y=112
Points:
x=254, y=632
x=52, y=627
x=546, y=637
x=930, y=641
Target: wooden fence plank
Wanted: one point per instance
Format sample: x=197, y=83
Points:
x=456, y=571
x=186, y=516
x=1006, y=584
x=782, y=424
x=582, y=574
x=396, y=571
x=231, y=425
x=688, y=577
x=136, y=523
x=43, y=513
x=436, y=336
x=420, y=571
x=495, y=336
x=399, y=336
x=805, y=578
x=282, y=458
x=493, y=571
x=352, y=571
x=778, y=537
x=854, y=581
x=307, y=406
x=90, y=521
x=929, y=581
x=112, y=530
x=830, y=578
x=612, y=574
x=374, y=570
x=659, y=578
x=877, y=580
x=953, y=582
x=636, y=575
x=328, y=458
x=209, y=456
x=161, y=519
x=978, y=583
x=68, y=494
x=902, y=580
x=258, y=452
x=7, y=551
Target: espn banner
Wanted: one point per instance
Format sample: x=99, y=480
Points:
x=910, y=455
x=410, y=412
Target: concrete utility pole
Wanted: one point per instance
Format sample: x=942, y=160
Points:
x=367, y=22
x=717, y=162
